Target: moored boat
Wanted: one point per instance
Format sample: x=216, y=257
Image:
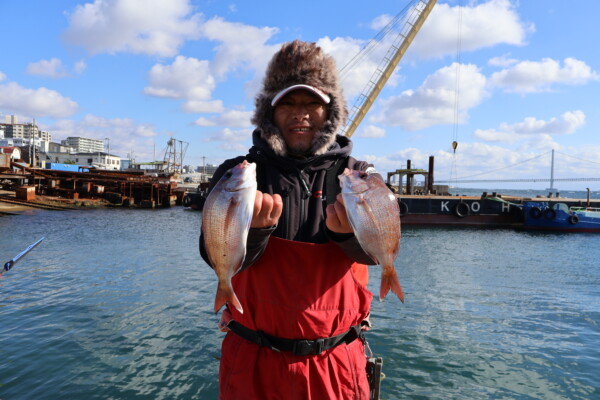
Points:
x=560, y=217
x=195, y=200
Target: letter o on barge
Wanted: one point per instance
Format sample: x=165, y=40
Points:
x=461, y=210
x=403, y=208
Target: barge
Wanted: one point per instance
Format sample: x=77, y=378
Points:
x=432, y=205
x=495, y=210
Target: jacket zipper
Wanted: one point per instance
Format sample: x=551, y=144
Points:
x=303, y=198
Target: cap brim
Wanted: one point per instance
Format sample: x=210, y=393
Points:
x=312, y=89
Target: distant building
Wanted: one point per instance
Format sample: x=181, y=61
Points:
x=15, y=152
x=99, y=160
x=12, y=129
x=84, y=145
x=54, y=147
x=13, y=134
x=208, y=169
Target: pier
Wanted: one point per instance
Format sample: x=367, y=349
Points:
x=116, y=188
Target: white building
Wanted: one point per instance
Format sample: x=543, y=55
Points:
x=15, y=152
x=40, y=145
x=84, y=145
x=99, y=160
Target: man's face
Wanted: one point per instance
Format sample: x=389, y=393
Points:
x=298, y=116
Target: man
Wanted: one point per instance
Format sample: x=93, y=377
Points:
x=303, y=281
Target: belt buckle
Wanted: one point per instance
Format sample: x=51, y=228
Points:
x=308, y=347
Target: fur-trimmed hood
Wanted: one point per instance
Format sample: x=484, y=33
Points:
x=296, y=63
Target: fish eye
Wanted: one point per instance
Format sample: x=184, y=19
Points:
x=228, y=174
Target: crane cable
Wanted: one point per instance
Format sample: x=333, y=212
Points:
x=453, y=170
x=374, y=43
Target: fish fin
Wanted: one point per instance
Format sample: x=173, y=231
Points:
x=225, y=294
x=389, y=280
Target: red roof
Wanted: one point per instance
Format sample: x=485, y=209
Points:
x=7, y=149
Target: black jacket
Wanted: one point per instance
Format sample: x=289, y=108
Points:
x=302, y=186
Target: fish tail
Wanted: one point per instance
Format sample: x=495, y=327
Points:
x=225, y=294
x=389, y=280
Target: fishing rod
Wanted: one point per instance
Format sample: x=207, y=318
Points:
x=12, y=262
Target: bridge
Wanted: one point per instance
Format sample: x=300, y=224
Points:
x=522, y=180
x=552, y=179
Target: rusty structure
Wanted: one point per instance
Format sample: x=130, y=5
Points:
x=126, y=188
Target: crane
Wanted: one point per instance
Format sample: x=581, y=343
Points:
x=418, y=14
x=174, y=162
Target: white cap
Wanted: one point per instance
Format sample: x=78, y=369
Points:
x=312, y=89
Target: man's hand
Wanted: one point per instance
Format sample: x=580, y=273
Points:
x=267, y=210
x=337, y=219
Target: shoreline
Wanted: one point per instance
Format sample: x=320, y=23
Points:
x=44, y=202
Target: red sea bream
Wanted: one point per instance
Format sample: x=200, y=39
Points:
x=374, y=216
x=226, y=221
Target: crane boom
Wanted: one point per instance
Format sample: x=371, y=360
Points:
x=365, y=100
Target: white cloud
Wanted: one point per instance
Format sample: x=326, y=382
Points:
x=502, y=61
x=355, y=73
x=229, y=118
x=241, y=45
x=568, y=123
x=204, y=122
x=79, y=67
x=381, y=21
x=152, y=27
x=186, y=78
x=534, y=76
x=52, y=68
x=433, y=103
x=392, y=162
x=483, y=25
x=97, y=127
x=40, y=102
x=2, y=76
x=199, y=106
x=490, y=161
x=371, y=131
x=125, y=135
x=231, y=139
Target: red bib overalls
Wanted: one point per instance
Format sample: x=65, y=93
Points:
x=297, y=291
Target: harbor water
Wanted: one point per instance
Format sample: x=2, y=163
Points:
x=117, y=304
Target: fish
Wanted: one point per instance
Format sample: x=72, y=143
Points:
x=374, y=215
x=226, y=218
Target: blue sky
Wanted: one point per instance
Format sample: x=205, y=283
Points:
x=141, y=71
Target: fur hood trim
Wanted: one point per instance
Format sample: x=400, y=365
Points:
x=300, y=63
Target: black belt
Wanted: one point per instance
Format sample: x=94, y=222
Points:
x=299, y=347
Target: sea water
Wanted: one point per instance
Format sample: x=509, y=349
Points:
x=117, y=304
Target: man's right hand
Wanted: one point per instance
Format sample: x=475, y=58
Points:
x=267, y=210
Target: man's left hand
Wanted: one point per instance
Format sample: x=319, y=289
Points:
x=337, y=219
